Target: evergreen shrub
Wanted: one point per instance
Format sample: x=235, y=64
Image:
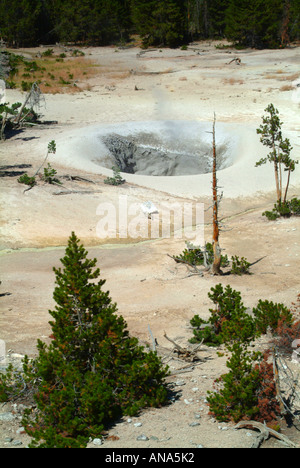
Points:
x=49, y=175
x=195, y=256
x=27, y=180
x=268, y=315
x=93, y=371
x=116, y=179
x=240, y=266
x=228, y=321
x=247, y=391
x=285, y=210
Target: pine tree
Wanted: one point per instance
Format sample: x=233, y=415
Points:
x=236, y=397
x=216, y=10
x=294, y=23
x=254, y=24
x=259, y=23
x=93, y=371
x=248, y=390
x=271, y=136
x=160, y=23
x=20, y=21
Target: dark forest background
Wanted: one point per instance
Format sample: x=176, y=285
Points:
x=171, y=23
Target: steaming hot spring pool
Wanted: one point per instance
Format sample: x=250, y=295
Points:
x=173, y=156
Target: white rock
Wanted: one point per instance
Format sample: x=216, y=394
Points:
x=20, y=430
x=142, y=437
x=97, y=442
x=7, y=417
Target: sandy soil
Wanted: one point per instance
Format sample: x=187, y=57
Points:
x=149, y=288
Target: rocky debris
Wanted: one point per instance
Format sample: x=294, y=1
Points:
x=12, y=433
x=13, y=359
x=124, y=152
x=194, y=424
x=6, y=417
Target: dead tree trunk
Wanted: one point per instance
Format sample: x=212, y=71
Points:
x=277, y=170
x=33, y=98
x=287, y=186
x=216, y=266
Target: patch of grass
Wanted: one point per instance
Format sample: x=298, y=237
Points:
x=119, y=75
x=67, y=74
x=232, y=81
x=287, y=88
x=292, y=77
x=281, y=76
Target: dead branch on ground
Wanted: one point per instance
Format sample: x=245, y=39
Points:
x=79, y=178
x=81, y=192
x=186, y=354
x=195, y=271
x=237, y=61
x=265, y=433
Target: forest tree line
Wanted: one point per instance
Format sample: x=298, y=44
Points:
x=171, y=23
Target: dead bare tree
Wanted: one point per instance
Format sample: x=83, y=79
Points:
x=186, y=354
x=213, y=266
x=216, y=266
x=33, y=99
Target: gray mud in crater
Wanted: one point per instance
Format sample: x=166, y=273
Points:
x=144, y=154
x=174, y=156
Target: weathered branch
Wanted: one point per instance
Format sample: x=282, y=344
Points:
x=82, y=192
x=237, y=60
x=185, y=262
x=265, y=433
x=81, y=179
x=184, y=353
x=177, y=346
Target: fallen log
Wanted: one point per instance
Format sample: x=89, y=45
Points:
x=79, y=178
x=81, y=192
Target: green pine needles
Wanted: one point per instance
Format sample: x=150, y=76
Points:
x=248, y=390
x=92, y=372
x=236, y=395
x=230, y=320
